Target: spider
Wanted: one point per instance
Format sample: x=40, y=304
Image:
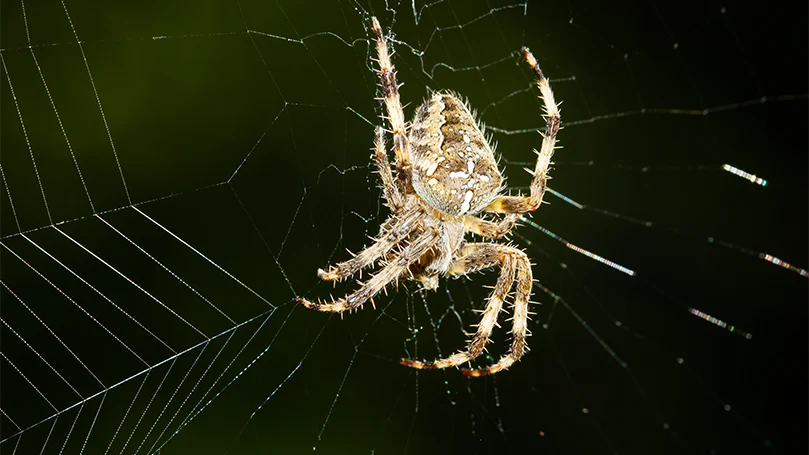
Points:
x=446, y=175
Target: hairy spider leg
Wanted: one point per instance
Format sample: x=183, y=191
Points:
x=488, y=229
x=389, y=273
x=392, y=233
x=513, y=206
x=519, y=320
x=479, y=256
x=389, y=188
x=393, y=105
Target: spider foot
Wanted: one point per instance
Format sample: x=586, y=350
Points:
x=417, y=364
x=306, y=303
x=331, y=275
x=503, y=364
x=476, y=373
x=452, y=361
x=338, y=306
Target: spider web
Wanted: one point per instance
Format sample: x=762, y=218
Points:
x=173, y=175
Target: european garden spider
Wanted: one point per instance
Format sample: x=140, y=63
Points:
x=446, y=174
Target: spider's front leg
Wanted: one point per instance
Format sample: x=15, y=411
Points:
x=393, y=270
x=516, y=205
x=478, y=256
x=393, y=105
x=389, y=188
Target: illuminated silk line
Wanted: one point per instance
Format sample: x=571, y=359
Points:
x=565, y=198
x=767, y=257
x=583, y=322
x=652, y=110
x=578, y=249
x=645, y=223
x=752, y=178
x=720, y=323
x=638, y=221
x=581, y=206
x=745, y=175
x=786, y=265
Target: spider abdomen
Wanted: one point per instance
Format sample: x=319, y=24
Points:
x=454, y=169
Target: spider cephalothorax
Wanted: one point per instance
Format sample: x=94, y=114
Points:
x=445, y=175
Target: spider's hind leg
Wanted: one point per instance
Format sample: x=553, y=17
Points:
x=478, y=256
x=519, y=320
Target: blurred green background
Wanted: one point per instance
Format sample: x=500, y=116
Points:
x=244, y=129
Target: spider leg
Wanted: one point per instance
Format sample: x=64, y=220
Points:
x=489, y=229
x=393, y=104
x=389, y=188
x=478, y=256
x=514, y=205
x=393, y=270
x=519, y=321
x=392, y=233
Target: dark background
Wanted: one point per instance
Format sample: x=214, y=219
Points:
x=244, y=128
